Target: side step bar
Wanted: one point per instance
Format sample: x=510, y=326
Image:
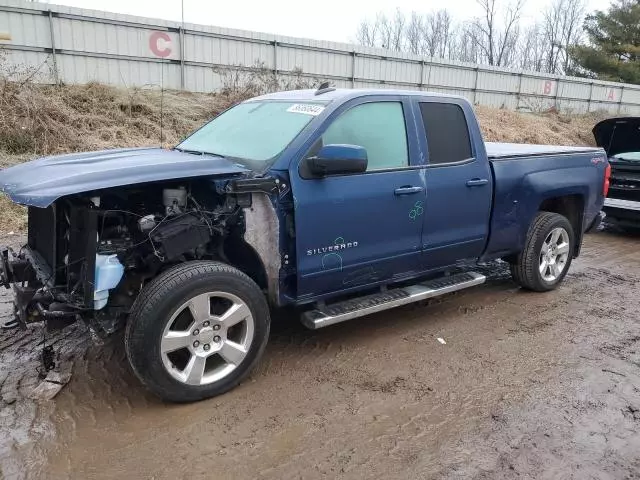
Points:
x=359, y=307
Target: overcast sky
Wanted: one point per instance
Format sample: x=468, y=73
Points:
x=334, y=20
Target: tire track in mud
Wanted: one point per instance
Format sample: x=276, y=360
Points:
x=523, y=389
x=586, y=425
x=25, y=423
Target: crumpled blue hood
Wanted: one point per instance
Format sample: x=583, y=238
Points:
x=42, y=181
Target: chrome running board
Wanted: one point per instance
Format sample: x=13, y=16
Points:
x=326, y=315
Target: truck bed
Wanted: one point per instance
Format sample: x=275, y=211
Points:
x=521, y=187
x=498, y=151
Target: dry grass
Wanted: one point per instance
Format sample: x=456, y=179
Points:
x=44, y=120
x=47, y=119
x=38, y=120
x=500, y=125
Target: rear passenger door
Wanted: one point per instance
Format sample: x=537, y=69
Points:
x=459, y=185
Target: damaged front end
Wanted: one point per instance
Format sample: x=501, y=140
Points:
x=53, y=258
x=30, y=277
x=88, y=256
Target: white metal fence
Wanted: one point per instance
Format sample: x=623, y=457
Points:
x=75, y=45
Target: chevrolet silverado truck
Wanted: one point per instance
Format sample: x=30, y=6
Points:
x=620, y=137
x=337, y=202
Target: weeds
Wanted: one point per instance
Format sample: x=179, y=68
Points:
x=239, y=83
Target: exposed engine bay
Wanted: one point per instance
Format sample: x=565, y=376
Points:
x=89, y=255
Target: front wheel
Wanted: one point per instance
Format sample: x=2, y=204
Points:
x=547, y=254
x=196, y=331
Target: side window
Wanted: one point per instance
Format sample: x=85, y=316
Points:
x=378, y=127
x=447, y=132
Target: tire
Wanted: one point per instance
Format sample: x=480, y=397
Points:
x=181, y=339
x=528, y=268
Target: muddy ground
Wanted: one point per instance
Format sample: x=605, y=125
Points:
x=527, y=386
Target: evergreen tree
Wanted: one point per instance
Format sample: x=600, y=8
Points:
x=614, y=49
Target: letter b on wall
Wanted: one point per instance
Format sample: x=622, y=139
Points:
x=548, y=87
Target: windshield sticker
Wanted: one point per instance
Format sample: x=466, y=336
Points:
x=306, y=108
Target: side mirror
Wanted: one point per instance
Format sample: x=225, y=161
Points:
x=338, y=159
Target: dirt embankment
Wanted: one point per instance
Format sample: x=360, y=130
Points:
x=37, y=120
x=499, y=125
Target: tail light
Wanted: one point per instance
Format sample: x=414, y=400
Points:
x=607, y=177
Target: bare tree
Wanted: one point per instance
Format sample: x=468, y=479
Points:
x=462, y=48
x=384, y=32
x=413, y=33
x=496, y=40
x=445, y=28
x=436, y=33
x=398, y=31
x=552, y=35
x=367, y=34
x=562, y=28
x=430, y=34
x=532, y=49
x=391, y=30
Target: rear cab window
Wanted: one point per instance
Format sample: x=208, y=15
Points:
x=447, y=133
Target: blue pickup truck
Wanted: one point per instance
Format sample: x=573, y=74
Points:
x=341, y=203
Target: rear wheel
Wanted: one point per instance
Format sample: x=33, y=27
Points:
x=196, y=331
x=547, y=255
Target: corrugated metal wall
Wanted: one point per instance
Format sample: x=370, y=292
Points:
x=73, y=45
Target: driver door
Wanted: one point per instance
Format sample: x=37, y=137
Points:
x=361, y=229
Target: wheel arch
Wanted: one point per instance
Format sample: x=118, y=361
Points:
x=244, y=257
x=569, y=206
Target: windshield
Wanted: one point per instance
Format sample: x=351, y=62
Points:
x=628, y=156
x=254, y=132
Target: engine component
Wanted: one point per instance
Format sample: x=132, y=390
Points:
x=109, y=272
x=174, y=200
x=147, y=223
x=114, y=239
x=116, y=245
x=181, y=234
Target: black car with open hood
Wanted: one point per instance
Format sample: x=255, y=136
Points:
x=620, y=138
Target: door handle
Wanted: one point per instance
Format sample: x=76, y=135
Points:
x=477, y=182
x=408, y=190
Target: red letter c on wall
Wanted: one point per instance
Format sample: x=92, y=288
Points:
x=154, y=44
